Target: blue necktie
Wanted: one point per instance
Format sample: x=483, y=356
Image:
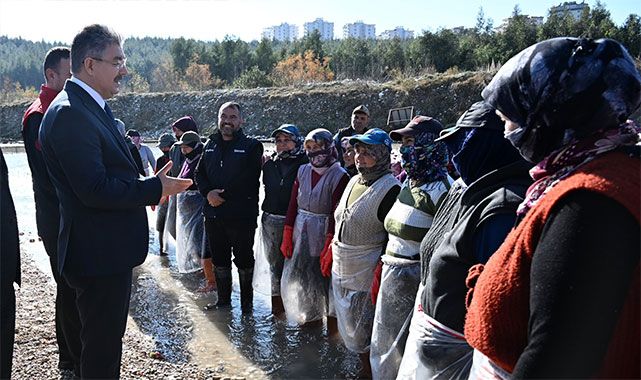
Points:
x=111, y=115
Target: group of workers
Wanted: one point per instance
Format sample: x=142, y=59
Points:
x=526, y=265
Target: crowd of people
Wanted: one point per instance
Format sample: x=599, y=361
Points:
x=520, y=262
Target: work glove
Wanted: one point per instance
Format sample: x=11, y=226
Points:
x=376, y=282
x=287, y=246
x=326, y=256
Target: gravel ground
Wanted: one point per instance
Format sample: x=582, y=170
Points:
x=35, y=354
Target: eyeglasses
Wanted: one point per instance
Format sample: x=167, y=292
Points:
x=117, y=65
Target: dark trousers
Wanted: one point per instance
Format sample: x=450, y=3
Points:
x=227, y=236
x=103, y=304
x=7, y=327
x=67, y=318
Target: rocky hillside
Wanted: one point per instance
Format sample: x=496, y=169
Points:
x=326, y=105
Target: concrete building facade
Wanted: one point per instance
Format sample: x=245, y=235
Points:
x=398, y=32
x=282, y=32
x=359, y=30
x=326, y=29
x=572, y=7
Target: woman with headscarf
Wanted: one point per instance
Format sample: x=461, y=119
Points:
x=348, y=157
x=360, y=240
x=561, y=297
x=497, y=178
x=316, y=191
x=399, y=272
x=279, y=174
x=190, y=227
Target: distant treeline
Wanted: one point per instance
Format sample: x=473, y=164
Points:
x=159, y=65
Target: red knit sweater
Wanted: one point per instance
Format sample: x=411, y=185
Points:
x=498, y=313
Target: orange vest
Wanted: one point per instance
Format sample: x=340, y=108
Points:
x=498, y=313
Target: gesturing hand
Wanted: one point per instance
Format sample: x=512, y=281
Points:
x=214, y=198
x=171, y=185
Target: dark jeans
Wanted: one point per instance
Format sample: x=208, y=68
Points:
x=226, y=236
x=7, y=327
x=103, y=304
x=67, y=318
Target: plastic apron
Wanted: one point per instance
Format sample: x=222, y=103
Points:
x=268, y=268
x=400, y=280
x=190, y=231
x=433, y=350
x=170, y=221
x=484, y=368
x=352, y=274
x=303, y=287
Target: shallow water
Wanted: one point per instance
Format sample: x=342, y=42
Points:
x=164, y=305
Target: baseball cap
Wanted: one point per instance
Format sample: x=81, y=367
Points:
x=166, y=139
x=286, y=128
x=479, y=115
x=189, y=138
x=361, y=109
x=132, y=133
x=374, y=136
x=417, y=125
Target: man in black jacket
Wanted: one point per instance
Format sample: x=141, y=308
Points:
x=228, y=176
x=359, y=125
x=57, y=69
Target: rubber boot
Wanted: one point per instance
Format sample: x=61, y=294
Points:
x=223, y=282
x=208, y=268
x=246, y=278
x=278, y=309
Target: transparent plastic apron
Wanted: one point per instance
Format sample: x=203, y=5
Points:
x=268, y=268
x=400, y=279
x=352, y=274
x=190, y=231
x=303, y=287
x=433, y=350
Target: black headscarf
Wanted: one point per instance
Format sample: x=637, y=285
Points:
x=562, y=89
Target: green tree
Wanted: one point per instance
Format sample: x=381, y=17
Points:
x=314, y=44
x=630, y=35
x=264, y=56
x=182, y=52
x=253, y=78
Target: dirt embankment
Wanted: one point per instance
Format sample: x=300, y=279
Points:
x=326, y=105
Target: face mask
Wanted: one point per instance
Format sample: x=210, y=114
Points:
x=318, y=159
x=516, y=138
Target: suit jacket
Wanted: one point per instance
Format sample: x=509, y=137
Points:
x=103, y=222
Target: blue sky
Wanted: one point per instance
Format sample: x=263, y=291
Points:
x=213, y=19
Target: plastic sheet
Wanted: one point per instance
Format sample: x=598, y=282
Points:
x=400, y=279
x=434, y=351
x=352, y=275
x=268, y=268
x=170, y=220
x=303, y=287
x=483, y=368
x=190, y=231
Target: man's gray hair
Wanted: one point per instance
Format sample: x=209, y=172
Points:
x=235, y=105
x=91, y=42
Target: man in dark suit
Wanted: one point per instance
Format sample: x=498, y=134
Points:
x=57, y=69
x=103, y=222
x=9, y=271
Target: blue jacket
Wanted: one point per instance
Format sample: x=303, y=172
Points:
x=103, y=221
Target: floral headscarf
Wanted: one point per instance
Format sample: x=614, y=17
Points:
x=426, y=160
x=563, y=89
x=328, y=154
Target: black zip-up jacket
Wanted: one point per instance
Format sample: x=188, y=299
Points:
x=278, y=179
x=233, y=166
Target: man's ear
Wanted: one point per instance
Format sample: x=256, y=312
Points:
x=49, y=74
x=88, y=66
